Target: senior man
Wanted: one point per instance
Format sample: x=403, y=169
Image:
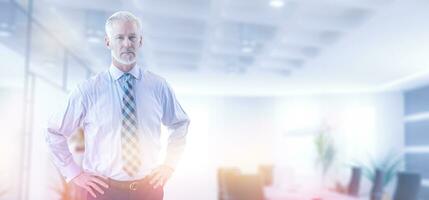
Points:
x=120, y=111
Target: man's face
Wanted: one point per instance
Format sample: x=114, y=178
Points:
x=124, y=42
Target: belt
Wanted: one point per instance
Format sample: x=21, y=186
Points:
x=128, y=185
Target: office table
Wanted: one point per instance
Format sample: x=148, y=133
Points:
x=272, y=193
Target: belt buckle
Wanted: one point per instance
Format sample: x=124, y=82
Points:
x=133, y=186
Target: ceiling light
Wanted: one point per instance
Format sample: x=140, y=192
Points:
x=4, y=33
x=246, y=49
x=5, y=30
x=277, y=3
x=4, y=25
x=94, y=40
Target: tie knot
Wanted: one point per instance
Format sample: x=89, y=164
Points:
x=127, y=77
x=127, y=81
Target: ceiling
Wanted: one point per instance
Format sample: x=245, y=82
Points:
x=249, y=47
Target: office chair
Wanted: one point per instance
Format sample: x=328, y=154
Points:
x=266, y=174
x=354, y=184
x=226, y=177
x=407, y=187
x=377, y=185
x=246, y=187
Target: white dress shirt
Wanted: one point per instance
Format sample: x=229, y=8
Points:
x=95, y=106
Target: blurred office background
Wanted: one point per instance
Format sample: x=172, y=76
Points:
x=307, y=89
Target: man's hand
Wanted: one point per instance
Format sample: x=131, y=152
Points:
x=90, y=183
x=160, y=175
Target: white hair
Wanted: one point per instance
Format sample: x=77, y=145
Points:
x=122, y=16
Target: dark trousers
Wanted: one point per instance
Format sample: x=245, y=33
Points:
x=143, y=191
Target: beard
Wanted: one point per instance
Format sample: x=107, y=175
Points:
x=124, y=61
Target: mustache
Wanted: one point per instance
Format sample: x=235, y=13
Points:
x=129, y=50
x=125, y=52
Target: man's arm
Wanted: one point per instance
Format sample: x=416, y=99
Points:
x=177, y=122
x=60, y=127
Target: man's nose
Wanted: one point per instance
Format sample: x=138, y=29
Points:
x=127, y=42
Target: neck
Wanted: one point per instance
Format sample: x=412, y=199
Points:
x=123, y=67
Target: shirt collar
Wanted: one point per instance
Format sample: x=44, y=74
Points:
x=117, y=73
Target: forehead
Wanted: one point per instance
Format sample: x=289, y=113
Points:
x=124, y=27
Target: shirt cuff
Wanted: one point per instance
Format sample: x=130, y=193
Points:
x=71, y=171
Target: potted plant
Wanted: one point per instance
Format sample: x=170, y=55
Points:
x=388, y=165
x=325, y=152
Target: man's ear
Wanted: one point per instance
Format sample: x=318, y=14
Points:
x=141, y=41
x=107, y=41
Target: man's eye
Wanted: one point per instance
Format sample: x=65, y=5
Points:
x=120, y=38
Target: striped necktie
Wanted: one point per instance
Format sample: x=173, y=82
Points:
x=129, y=138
